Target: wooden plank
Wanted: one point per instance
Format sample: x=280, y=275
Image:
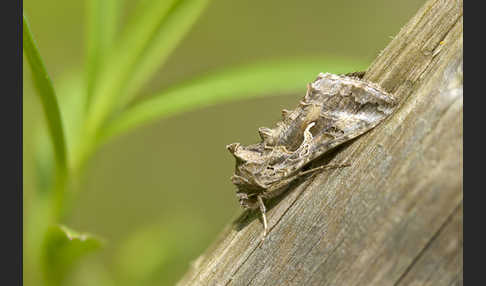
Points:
x=370, y=223
x=441, y=258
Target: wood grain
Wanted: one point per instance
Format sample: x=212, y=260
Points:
x=395, y=216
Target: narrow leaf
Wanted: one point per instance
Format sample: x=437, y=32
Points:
x=47, y=95
x=102, y=23
x=170, y=33
x=71, y=104
x=144, y=48
x=264, y=79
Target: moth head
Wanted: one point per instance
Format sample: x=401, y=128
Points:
x=234, y=150
x=246, y=183
x=255, y=171
x=250, y=160
x=244, y=154
x=233, y=147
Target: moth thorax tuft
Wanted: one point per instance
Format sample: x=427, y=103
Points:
x=266, y=134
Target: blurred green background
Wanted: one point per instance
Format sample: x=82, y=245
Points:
x=159, y=194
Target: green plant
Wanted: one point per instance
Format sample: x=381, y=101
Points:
x=118, y=63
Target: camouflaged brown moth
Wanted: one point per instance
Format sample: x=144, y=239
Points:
x=335, y=109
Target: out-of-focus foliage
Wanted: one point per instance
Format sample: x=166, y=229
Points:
x=47, y=95
x=158, y=194
x=62, y=248
x=264, y=79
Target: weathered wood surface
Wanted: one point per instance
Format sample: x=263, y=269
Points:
x=395, y=216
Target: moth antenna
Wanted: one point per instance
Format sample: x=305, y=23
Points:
x=323, y=167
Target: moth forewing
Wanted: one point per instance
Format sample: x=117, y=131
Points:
x=335, y=109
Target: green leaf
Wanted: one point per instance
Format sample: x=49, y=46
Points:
x=47, y=95
x=263, y=79
x=63, y=248
x=145, y=47
x=102, y=23
x=169, y=34
x=71, y=86
x=44, y=163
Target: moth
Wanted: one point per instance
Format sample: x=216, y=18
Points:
x=335, y=109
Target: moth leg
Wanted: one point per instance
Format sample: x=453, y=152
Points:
x=263, y=210
x=330, y=166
